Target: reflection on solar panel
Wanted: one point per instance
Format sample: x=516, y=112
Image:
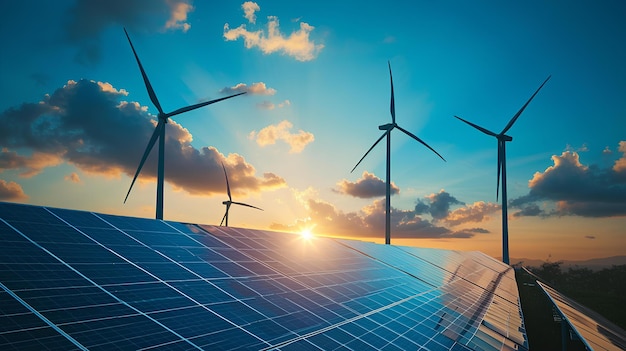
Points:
x=80, y=280
x=596, y=332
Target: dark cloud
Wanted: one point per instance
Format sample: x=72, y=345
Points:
x=576, y=189
x=11, y=191
x=87, y=19
x=368, y=186
x=85, y=124
x=438, y=205
x=529, y=210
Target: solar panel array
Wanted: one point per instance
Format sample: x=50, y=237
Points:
x=80, y=280
x=595, y=331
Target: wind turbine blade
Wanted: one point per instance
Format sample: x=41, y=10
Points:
x=202, y=104
x=368, y=151
x=500, y=142
x=508, y=126
x=420, y=140
x=393, y=103
x=151, y=93
x=242, y=204
x=153, y=139
x=486, y=131
x=227, y=185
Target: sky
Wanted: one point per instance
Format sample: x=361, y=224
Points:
x=75, y=116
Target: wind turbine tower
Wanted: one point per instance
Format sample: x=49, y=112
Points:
x=388, y=128
x=159, y=133
x=502, y=139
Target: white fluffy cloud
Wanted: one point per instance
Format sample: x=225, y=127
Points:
x=249, y=9
x=297, y=44
x=281, y=131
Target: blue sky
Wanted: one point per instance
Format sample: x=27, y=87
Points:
x=76, y=116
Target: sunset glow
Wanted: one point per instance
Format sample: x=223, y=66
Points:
x=76, y=117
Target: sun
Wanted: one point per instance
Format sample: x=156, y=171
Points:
x=306, y=233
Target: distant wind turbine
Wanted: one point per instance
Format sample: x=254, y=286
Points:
x=388, y=128
x=502, y=139
x=159, y=133
x=230, y=200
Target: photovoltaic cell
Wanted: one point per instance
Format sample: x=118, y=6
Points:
x=81, y=280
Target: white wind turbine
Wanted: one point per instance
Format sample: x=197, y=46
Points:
x=388, y=128
x=159, y=133
x=230, y=200
x=502, y=139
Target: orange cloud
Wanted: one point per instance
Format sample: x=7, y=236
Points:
x=73, y=177
x=620, y=164
x=11, y=191
x=33, y=164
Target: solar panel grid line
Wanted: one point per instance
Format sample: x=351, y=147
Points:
x=184, y=294
x=346, y=321
x=87, y=278
x=42, y=317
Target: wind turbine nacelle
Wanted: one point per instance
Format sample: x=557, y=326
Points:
x=388, y=126
x=507, y=138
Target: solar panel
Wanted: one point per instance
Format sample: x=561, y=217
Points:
x=81, y=280
x=596, y=332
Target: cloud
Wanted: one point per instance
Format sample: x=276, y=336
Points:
x=475, y=213
x=297, y=45
x=368, y=222
x=249, y=8
x=87, y=19
x=270, y=134
x=31, y=165
x=178, y=15
x=367, y=186
x=438, y=205
x=590, y=237
x=254, y=89
x=576, y=189
x=85, y=124
x=11, y=191
x=620, y=165
x=267, y=105
x=73, y=177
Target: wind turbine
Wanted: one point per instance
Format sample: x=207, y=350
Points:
x=502, y=139
x=159, y=133
x=388, y=128
x=230, y=200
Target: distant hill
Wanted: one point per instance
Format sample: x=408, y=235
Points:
x=593, y=264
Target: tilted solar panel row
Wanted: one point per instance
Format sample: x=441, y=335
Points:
x=81, y=280
x=595, y=331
